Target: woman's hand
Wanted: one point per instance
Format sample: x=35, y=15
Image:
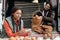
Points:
x=21, y=31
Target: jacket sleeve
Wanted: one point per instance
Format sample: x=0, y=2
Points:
x=8, y=30
x=49, y=18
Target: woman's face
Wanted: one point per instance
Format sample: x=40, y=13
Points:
x=17, y=14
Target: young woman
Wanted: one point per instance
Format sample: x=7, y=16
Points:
x=13, y=25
